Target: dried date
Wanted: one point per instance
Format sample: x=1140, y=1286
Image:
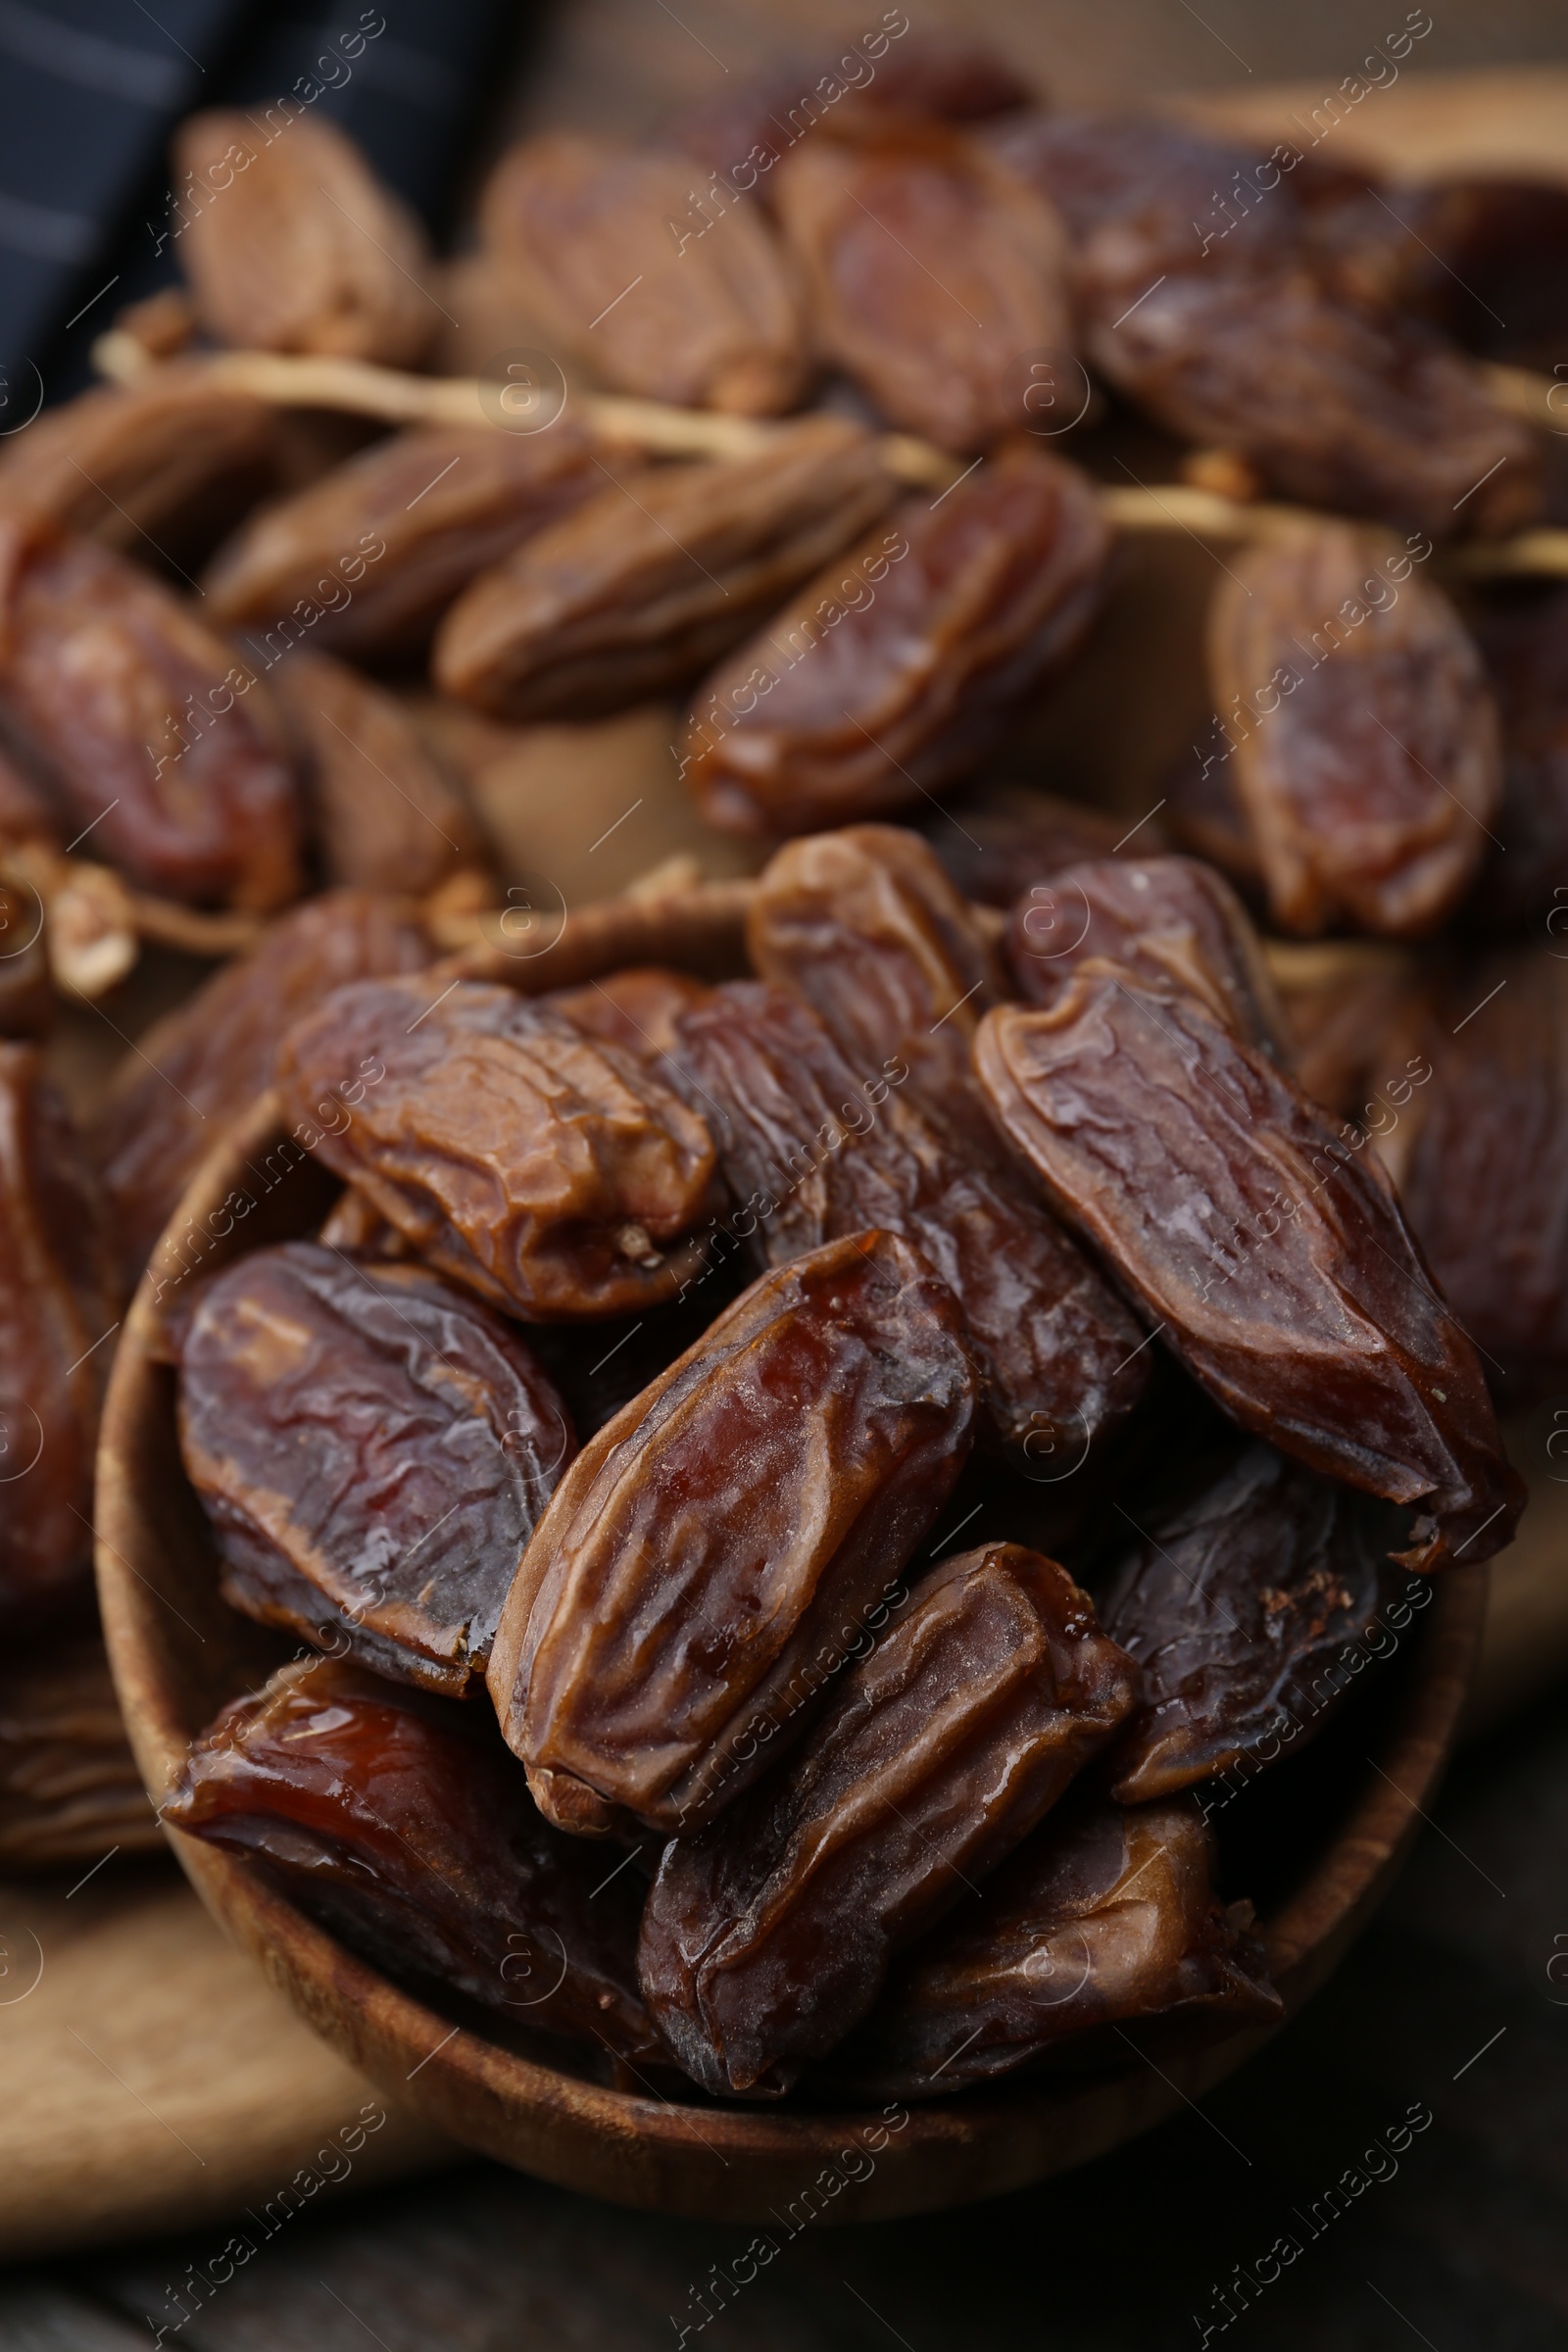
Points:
x=865, y=926
x=1227, y=331
x=1169, y=922
x=1268, y=1254
x=647, y=584
x=816, y=1150
x=722, y=1546
x=1241, y=1601
x=932, y=277
x=1107, y=1914
x=384, y=814
x=900, y=667
x=374, y=1449
x=56, y=1311
x=766, y=1939
x=293, y=244
x=1373, y=771
x=525, y=1160
x=638, y=1009
x=595, y=242
x=395, y=1820
x=205, y=1062
x=170, y=463
x=128, y=704
x=368, y=557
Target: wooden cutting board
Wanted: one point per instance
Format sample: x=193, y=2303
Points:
x=148, y=2075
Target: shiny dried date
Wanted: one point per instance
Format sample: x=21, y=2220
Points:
x=1373, y=770
x=932, y=278
x=525, y=1160
x=57, y=1309
x=900, y=667
x=1170, y=922
x=374, y=1449
x=1105, y=1915
x=764, y=1941
x=209, y=1059
x=129, y=706
x=646, y=585
x=722, y=1546
x=1269, y=1255
x=392, y=1818
x=1242, y=1602
x=368, y=557
x=596, y=243
x=816, y=1150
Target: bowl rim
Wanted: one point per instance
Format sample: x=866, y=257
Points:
x=716, y=2162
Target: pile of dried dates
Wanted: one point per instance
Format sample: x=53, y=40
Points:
x=798, y=1497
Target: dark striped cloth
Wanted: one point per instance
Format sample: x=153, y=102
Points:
x=93, y=88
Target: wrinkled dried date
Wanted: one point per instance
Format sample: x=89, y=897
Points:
x=1492, y=1036
x=385, y=815
x=724, y=1545
x=592, y=238
x=392, y=1818
x=766, y=1939
x=374, y=1449
x=1373, y=770
x=1242, y=1602
x=522, y=1158
x=208, y=1061
x=1104, y=1915
x=1169, y=922
x=368, y=557
x=865, y=926
x=933, y=278
x=1226, y=333
x=1271, y=1259
x=297, y=245
x=900, y=666
x=125, y=702
x=57, y=1309
x=646, y=585
x=814, y=1149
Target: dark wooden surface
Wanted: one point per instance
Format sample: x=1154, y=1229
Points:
x=1456, y=2003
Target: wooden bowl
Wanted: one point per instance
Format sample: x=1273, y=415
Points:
x=180, y=1653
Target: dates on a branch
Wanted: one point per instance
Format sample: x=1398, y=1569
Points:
x=722, y=1548
x=1372, y=772
x=374, y=1449
x=206, y=1061
x=900, y=666
x=647, y=584
x=368, y=557
x=1240, y=1602
x=523, y=1159
x=128, y=705
x=1267, y=1254
x=56, y=1312
x=1225, y=331
x=1107, y=1914
x=815, y=1148
x=766, y=1938
x=399, y=1823
x=291, y=243
x=1169, y=922
x=385, y=815
x=596, y=243
x=933, y=278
